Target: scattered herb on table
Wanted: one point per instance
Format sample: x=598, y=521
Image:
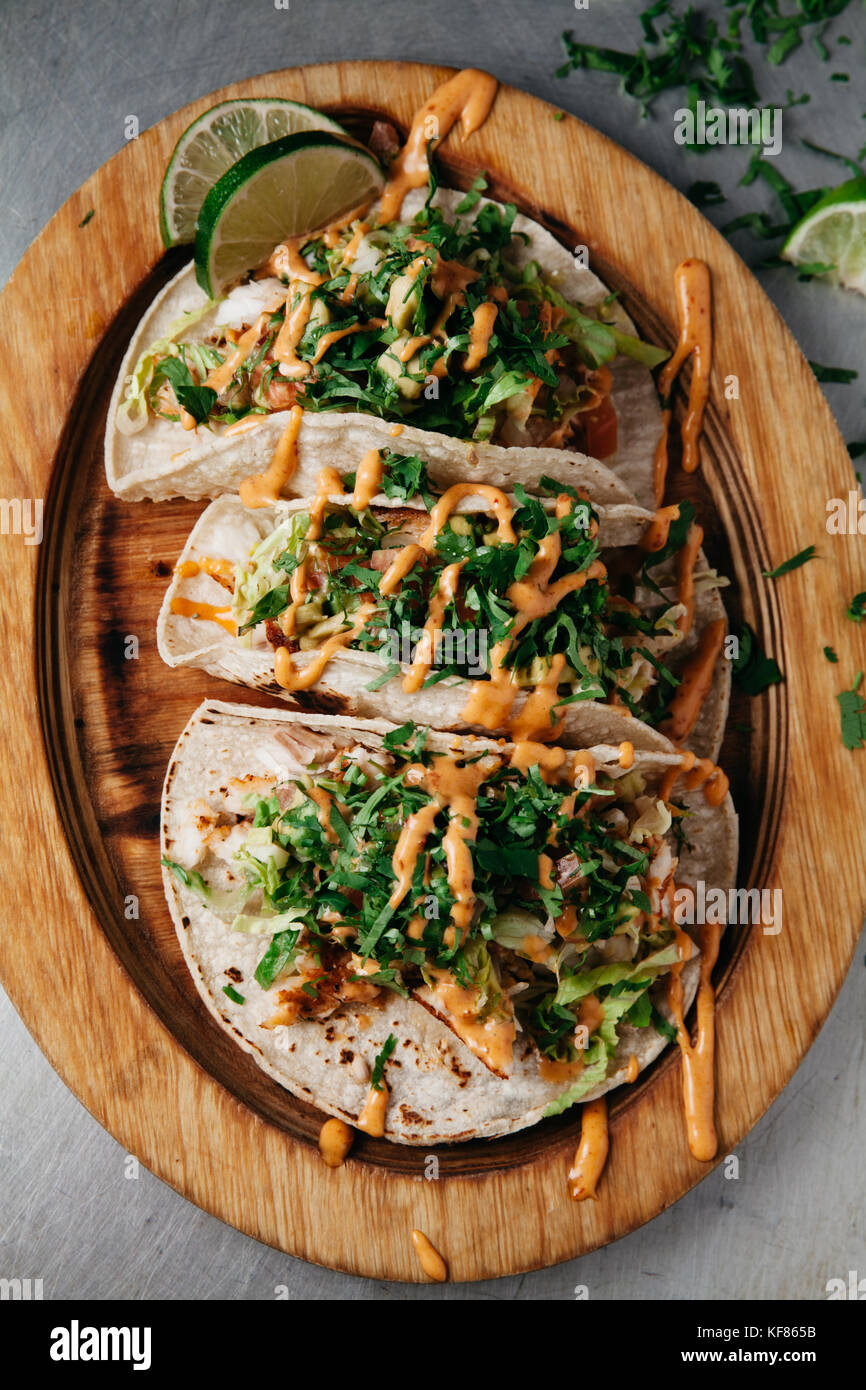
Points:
x=794, y=563
x=856, y=609
x=852, y=709
x=754, y=671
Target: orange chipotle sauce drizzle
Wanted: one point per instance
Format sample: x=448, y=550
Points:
x=467, y=97
x=533, y=597
x=696, y=679
x=368, y=479
x=592, y=1151
x=286, y=672
x=698, y=1058
x=299, y=306
x=685, y=567
x=454, y=789
x=480, y=333
x=372, y=1117
x=207, y=612
x=263, y=489
x=335, y=1141
x=656, y=535
x=429, y=1258
x=700, y=772
x=692, y=286
x=223, y=571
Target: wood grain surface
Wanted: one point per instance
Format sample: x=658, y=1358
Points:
x=88, y=731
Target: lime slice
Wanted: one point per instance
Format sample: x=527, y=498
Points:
x=213, y=143
x=833, y=233
x=292, y=185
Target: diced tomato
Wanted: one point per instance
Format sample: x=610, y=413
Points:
x=598, y=427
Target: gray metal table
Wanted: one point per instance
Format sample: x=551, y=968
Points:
x=74, y=1211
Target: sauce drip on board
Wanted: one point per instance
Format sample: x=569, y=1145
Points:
x=685, y=568
x=335, y=1141
x=692, y=286
x=592, y=1151
x=429, y=1258
x=698, y=1058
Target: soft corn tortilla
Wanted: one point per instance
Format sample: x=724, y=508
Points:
x=163, y=460
x=228, y=530
x=439, y=1092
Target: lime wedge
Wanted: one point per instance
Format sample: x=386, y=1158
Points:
x=292, y=185
x=833, y=233
x=213, y=143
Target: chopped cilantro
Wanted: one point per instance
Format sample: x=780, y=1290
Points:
x=381, y=1058
x=753, y=671
x=277, y=958
x=831, y=655
x=852, y=709
x=705, y=193
x=794, y=563
x=198, y=400
x=856, y=609
x=837, y=374
x=400, y=736
x=832, y=154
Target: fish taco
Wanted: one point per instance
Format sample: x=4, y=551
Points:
x=435, y=937
x=466, y=608
x=455, y=315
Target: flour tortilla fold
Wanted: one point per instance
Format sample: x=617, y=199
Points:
x=228, y=530
x=440, y=1092
x=163, y=460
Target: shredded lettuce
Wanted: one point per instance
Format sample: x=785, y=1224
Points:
x=585, y=982
x=655, y=819
x=592, y=1075
x=259, y=575
x=511, y=928
x=225, y=902
x=618, y=1002
x=132, y=412
x=269, y=923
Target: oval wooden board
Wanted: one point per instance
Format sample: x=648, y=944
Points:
x=89, y=732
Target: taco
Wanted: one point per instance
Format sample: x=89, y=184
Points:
x=459, y=317
x=468, y=608
x=435, y=938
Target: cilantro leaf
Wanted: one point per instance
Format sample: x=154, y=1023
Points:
x=852, y=710
x=198, y=400
x=381, y=1058
x=753, y=671
x=398, y=737
x=278, y=957
x=837, y=374
x=856, y=609
x=794, y=563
